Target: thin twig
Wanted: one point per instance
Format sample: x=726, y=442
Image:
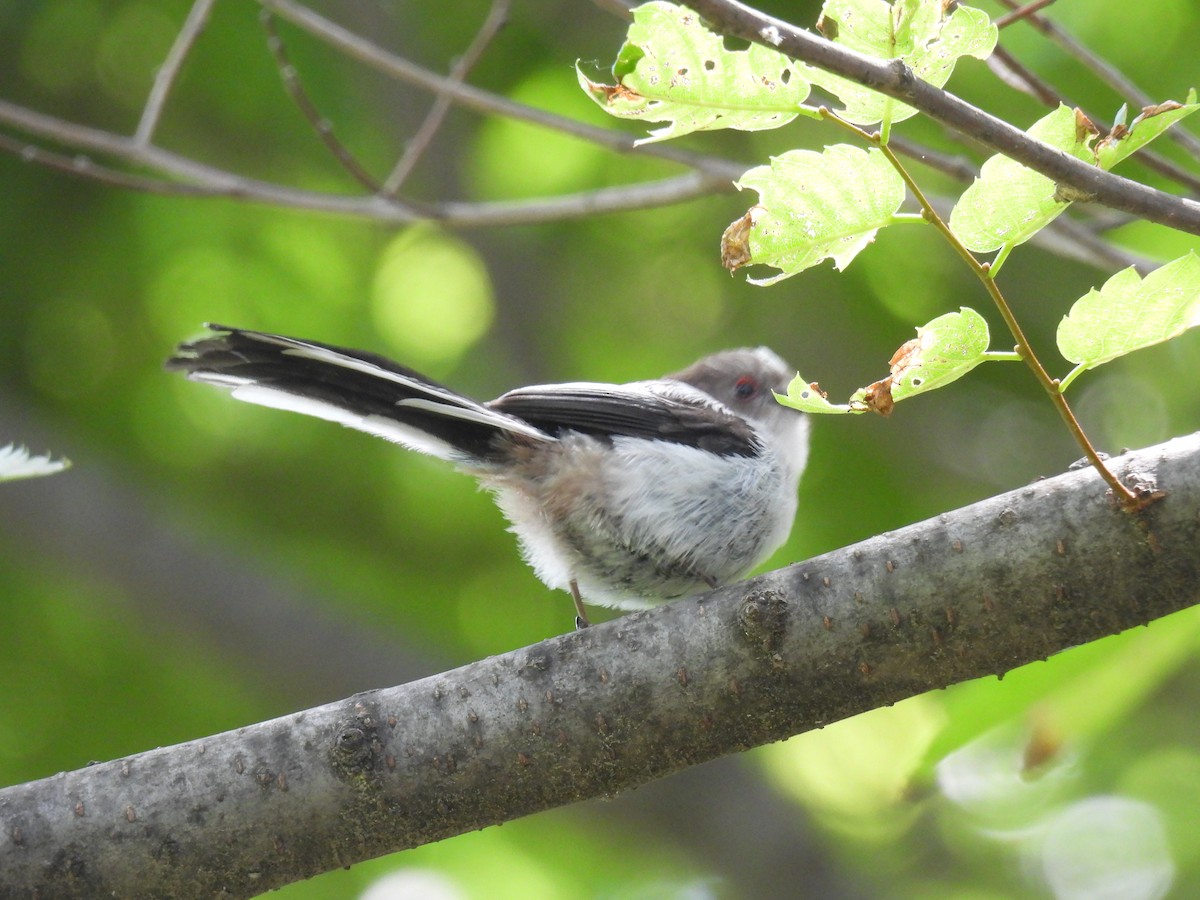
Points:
x=358, y=47
x=84, y=167
x=1017, y=75
x=321, y=125
x=202, y=179
x=1128, y=499
x=1068, y=238
x=196, y=19
x=496, y=17
x=1021, y=12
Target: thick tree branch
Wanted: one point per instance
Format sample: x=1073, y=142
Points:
x=974, y=592
x=896, y=80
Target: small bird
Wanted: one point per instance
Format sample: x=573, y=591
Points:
x=625, y=495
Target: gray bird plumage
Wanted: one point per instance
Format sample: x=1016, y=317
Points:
x=627, y=495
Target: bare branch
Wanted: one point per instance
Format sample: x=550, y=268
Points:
x=496, y=17
x=321, y=125
x=183, y=176
x=486, y=102
x=84, y=167
x=957, y=167
x=1020, y=12
x=197, y=18
x=1018, y=76
x=971, y=593
x=1068, y=238
x=202, y=180
x=896, y=80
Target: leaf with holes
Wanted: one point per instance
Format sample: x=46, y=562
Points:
x=943, y=351
x=808, y=397
x=673, y=69
x=813, y=206
x=919, y=32
x=1009, y=203
x=1129, y=313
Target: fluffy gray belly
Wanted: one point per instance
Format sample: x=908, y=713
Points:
x=637, y=522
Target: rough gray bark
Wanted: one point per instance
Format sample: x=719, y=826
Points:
x=970, y=593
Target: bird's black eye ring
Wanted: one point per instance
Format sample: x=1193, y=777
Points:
x=746, y=387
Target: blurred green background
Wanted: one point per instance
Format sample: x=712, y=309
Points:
x=207, y=564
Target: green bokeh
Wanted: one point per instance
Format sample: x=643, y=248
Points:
x=97, y=285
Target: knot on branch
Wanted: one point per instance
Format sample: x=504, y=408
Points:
x=763, y=617
x=906, y=81
x=356, y=748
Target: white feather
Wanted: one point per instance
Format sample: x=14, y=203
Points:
x=388, y=429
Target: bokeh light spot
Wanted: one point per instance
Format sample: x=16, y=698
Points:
x=432, y=298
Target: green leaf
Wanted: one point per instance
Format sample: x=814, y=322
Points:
x=943, y=351
x=813, y=206
x=673, y=69
x=15, y=462
x=1130, y=313
x=808, y=397
x=916, y=31
x=1153, y=121
x=1008, y=203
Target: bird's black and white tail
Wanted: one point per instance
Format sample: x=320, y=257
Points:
x=359, y=390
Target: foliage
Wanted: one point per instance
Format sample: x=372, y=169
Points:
x=804, y=217
x=930, y=38
x=831, y=205
x=673, y=69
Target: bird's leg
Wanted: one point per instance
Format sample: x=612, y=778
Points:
x=581, y=619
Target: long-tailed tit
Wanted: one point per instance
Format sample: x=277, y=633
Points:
x=626, y=495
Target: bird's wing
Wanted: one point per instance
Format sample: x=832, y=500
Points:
x=664, y=411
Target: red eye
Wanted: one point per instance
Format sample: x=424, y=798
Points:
x=746, y=387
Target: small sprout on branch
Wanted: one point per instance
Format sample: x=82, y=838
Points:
x=1121, y=142
x=673, y=69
